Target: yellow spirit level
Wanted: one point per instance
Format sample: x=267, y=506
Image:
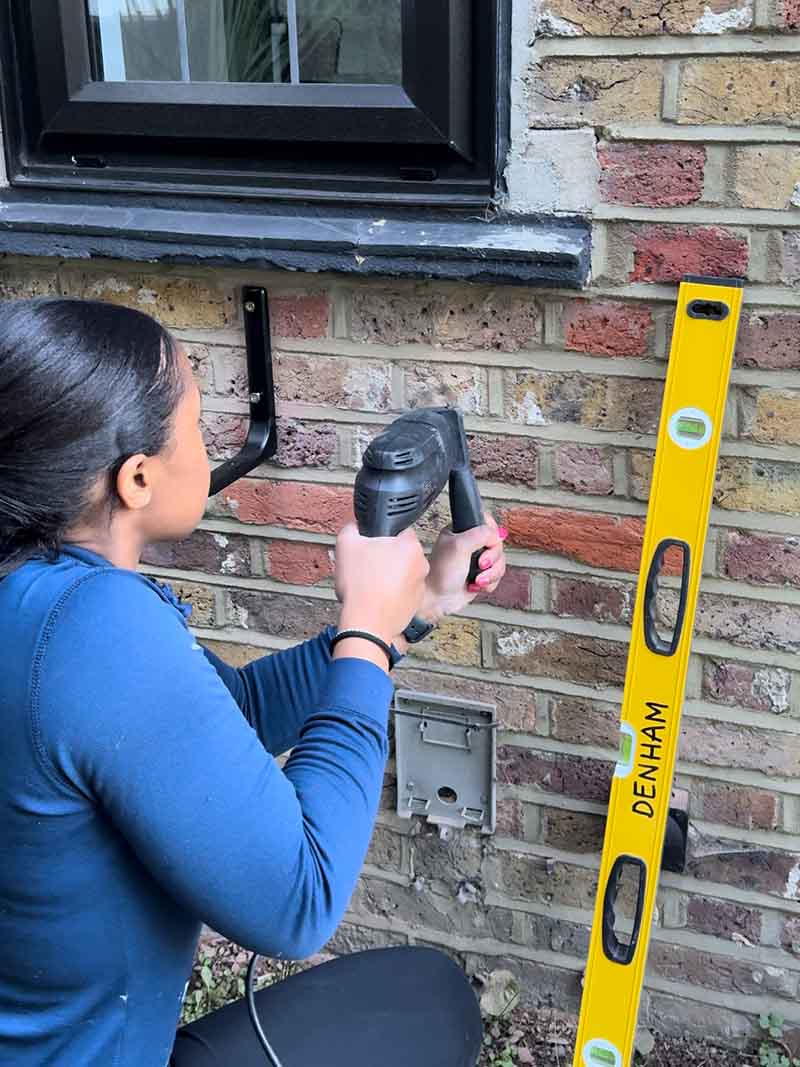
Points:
x=703, y=341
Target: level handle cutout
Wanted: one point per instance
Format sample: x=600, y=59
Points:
x=713, y=310
x=624, y=870
x=665, y=646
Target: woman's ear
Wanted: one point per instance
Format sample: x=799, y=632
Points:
x=135, y=482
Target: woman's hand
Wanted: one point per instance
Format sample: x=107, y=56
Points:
x=380, y=581
x=446, y=590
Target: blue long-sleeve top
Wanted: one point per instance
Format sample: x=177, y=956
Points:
x=140, y=797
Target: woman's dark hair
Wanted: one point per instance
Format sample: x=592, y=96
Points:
x=83, y=386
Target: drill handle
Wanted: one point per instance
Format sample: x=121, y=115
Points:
x=466, y=510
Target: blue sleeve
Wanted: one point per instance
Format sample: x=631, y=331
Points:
x=135, y=717
x=276, y=692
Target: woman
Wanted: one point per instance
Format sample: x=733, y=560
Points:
x=139, y=794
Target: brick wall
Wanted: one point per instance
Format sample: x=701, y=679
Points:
x=677, y=128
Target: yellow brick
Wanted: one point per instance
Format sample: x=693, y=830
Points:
x=568, y=92
x=757, y=485
x=456, y=641
x=604, y=18
x=738, y=90
x=234, y=654
x=189, y=302
x=17, y=284
x=767, y=175
x=202, y=599
x=777, y=417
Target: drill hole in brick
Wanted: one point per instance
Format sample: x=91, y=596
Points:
x=447, y=795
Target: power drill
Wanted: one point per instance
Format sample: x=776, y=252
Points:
x=405, y=469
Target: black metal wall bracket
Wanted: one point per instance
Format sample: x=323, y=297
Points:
x=262, y=438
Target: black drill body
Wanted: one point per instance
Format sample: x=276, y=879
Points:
x=405, y=469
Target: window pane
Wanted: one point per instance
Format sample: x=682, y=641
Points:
x=355, y=41
x=246, y=40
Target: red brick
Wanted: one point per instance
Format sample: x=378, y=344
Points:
x=501, y=458
x=214, y=553
x=725, y=974
x=570, y=657
x=584, y=469
x=607, y=328
x=588, y=598
x=739, y=806
x=510, y=816
x=299, y=316
x=582, y=722
x=790, y=934
x=299, y=563
x=739, y=684
x=574, y=831
x=751, y=623
x=769, y=340
x=762, y=559
x=223, y=433
x=725, y=744
x=588, y=537
x=516, y=706
x=513, y=592
x=744, y=866
x=297, y=505
x=723, y=918
x=652, y=175
x=666, y=253
x=279, y=614
x=306, y=444
x=571, y=776
x=791, y=14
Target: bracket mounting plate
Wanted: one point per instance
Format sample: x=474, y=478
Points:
x=446, y=751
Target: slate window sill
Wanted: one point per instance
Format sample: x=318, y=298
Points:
x=550, y=252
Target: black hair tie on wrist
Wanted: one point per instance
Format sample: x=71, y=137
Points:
x=391, y=652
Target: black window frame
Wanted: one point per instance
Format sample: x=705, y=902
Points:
x=436, y=140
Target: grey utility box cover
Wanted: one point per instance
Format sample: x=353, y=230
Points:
x=446, y=755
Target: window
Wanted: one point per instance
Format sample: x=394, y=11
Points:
x=385, y=100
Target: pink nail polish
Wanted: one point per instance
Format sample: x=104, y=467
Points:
x=502, y=532
x=485, y=564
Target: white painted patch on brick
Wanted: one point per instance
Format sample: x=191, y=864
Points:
x=532, y=185
x=738, y=18
x=773, y=685
x=796, y=196
x=554, y=170
x=793, y=883
x=528, y=409
x=220, y=540
x=520, y=644
x=550, y=25
x=228, y=565
x=240, y=616
x=110, y=285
